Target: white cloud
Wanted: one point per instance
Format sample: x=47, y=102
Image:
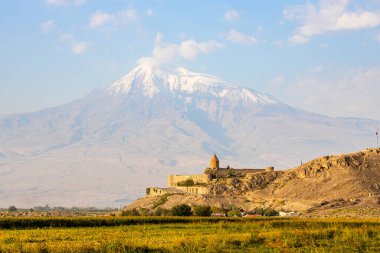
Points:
x=125, y=17
x=166, y=54
x=190, y=49
x=209, y=47
x=149, y=12
x=47, y=26
x=329, y=16
x=100, y=18
x=240, y=38
x=231, y=15
x=63, y=2
x=79, y=47
x=187, y=49
x=352, y=94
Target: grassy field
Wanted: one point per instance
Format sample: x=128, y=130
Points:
x=166, y=234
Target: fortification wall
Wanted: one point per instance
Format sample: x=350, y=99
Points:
x=154, y=191
x=198, y=179
x=195, y=189
x=248, y=170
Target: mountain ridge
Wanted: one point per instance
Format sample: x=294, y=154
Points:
x=135, y=138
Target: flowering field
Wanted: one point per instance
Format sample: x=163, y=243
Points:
x=175, y=234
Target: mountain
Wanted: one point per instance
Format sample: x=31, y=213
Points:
x=344, y=185
x=105, y=148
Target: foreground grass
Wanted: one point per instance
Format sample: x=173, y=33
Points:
x=191, y=235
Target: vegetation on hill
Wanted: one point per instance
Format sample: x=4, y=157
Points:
x=182, y=210
x=202, y=210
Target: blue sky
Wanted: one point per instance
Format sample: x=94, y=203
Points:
x=322, y=56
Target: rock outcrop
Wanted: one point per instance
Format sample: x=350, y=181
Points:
x=331, y=182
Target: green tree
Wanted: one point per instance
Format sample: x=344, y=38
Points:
x=202, y=211
x=12, y=209
x=181, y=210
x=130, y=212
x=270, y=212
x=234, y=213
x=161, y=212
x=187, y=182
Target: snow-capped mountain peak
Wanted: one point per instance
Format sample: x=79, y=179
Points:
x=150, y=80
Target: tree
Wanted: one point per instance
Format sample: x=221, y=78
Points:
x=234, y=213
x=161, y=212
x=202, y=211
x=187, y=182
x=12, y=209
x=181, y=210
x=130, y=212
x=270, y=212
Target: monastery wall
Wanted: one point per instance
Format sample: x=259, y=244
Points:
x=173, y=180
x=155, y=191
x=195, y=189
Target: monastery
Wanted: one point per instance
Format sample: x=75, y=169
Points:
x=199, y=183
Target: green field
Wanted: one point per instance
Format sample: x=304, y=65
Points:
x=172, y=234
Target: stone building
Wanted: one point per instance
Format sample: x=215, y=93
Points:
x=198, y=183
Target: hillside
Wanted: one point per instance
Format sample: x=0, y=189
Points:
x=327, y=186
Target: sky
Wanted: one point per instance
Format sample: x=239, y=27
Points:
x=319, y=55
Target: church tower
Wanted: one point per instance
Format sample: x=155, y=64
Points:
x=214, y=163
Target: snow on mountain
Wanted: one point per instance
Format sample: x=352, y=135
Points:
x=152, y=80
x=105, y=148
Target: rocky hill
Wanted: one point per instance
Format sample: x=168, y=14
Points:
x=337, y=185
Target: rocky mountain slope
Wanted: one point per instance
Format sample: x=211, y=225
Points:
x=348, y=181
x=105, y=148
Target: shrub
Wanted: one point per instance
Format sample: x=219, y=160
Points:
x=131, y=212
x=208, y=171
x=234, y=213
x=162, y=200
x=202, y=211
x=162, y=212
x=144, y=212
x=270, y=212
x=181, y=210
x=266, y=212
x=187, y=182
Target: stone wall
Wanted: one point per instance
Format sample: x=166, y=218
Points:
x=195, y=189
x=173, y=180
x=154, y=191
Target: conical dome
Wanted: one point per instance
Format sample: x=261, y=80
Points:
x=214, y=163
x=214, y=158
